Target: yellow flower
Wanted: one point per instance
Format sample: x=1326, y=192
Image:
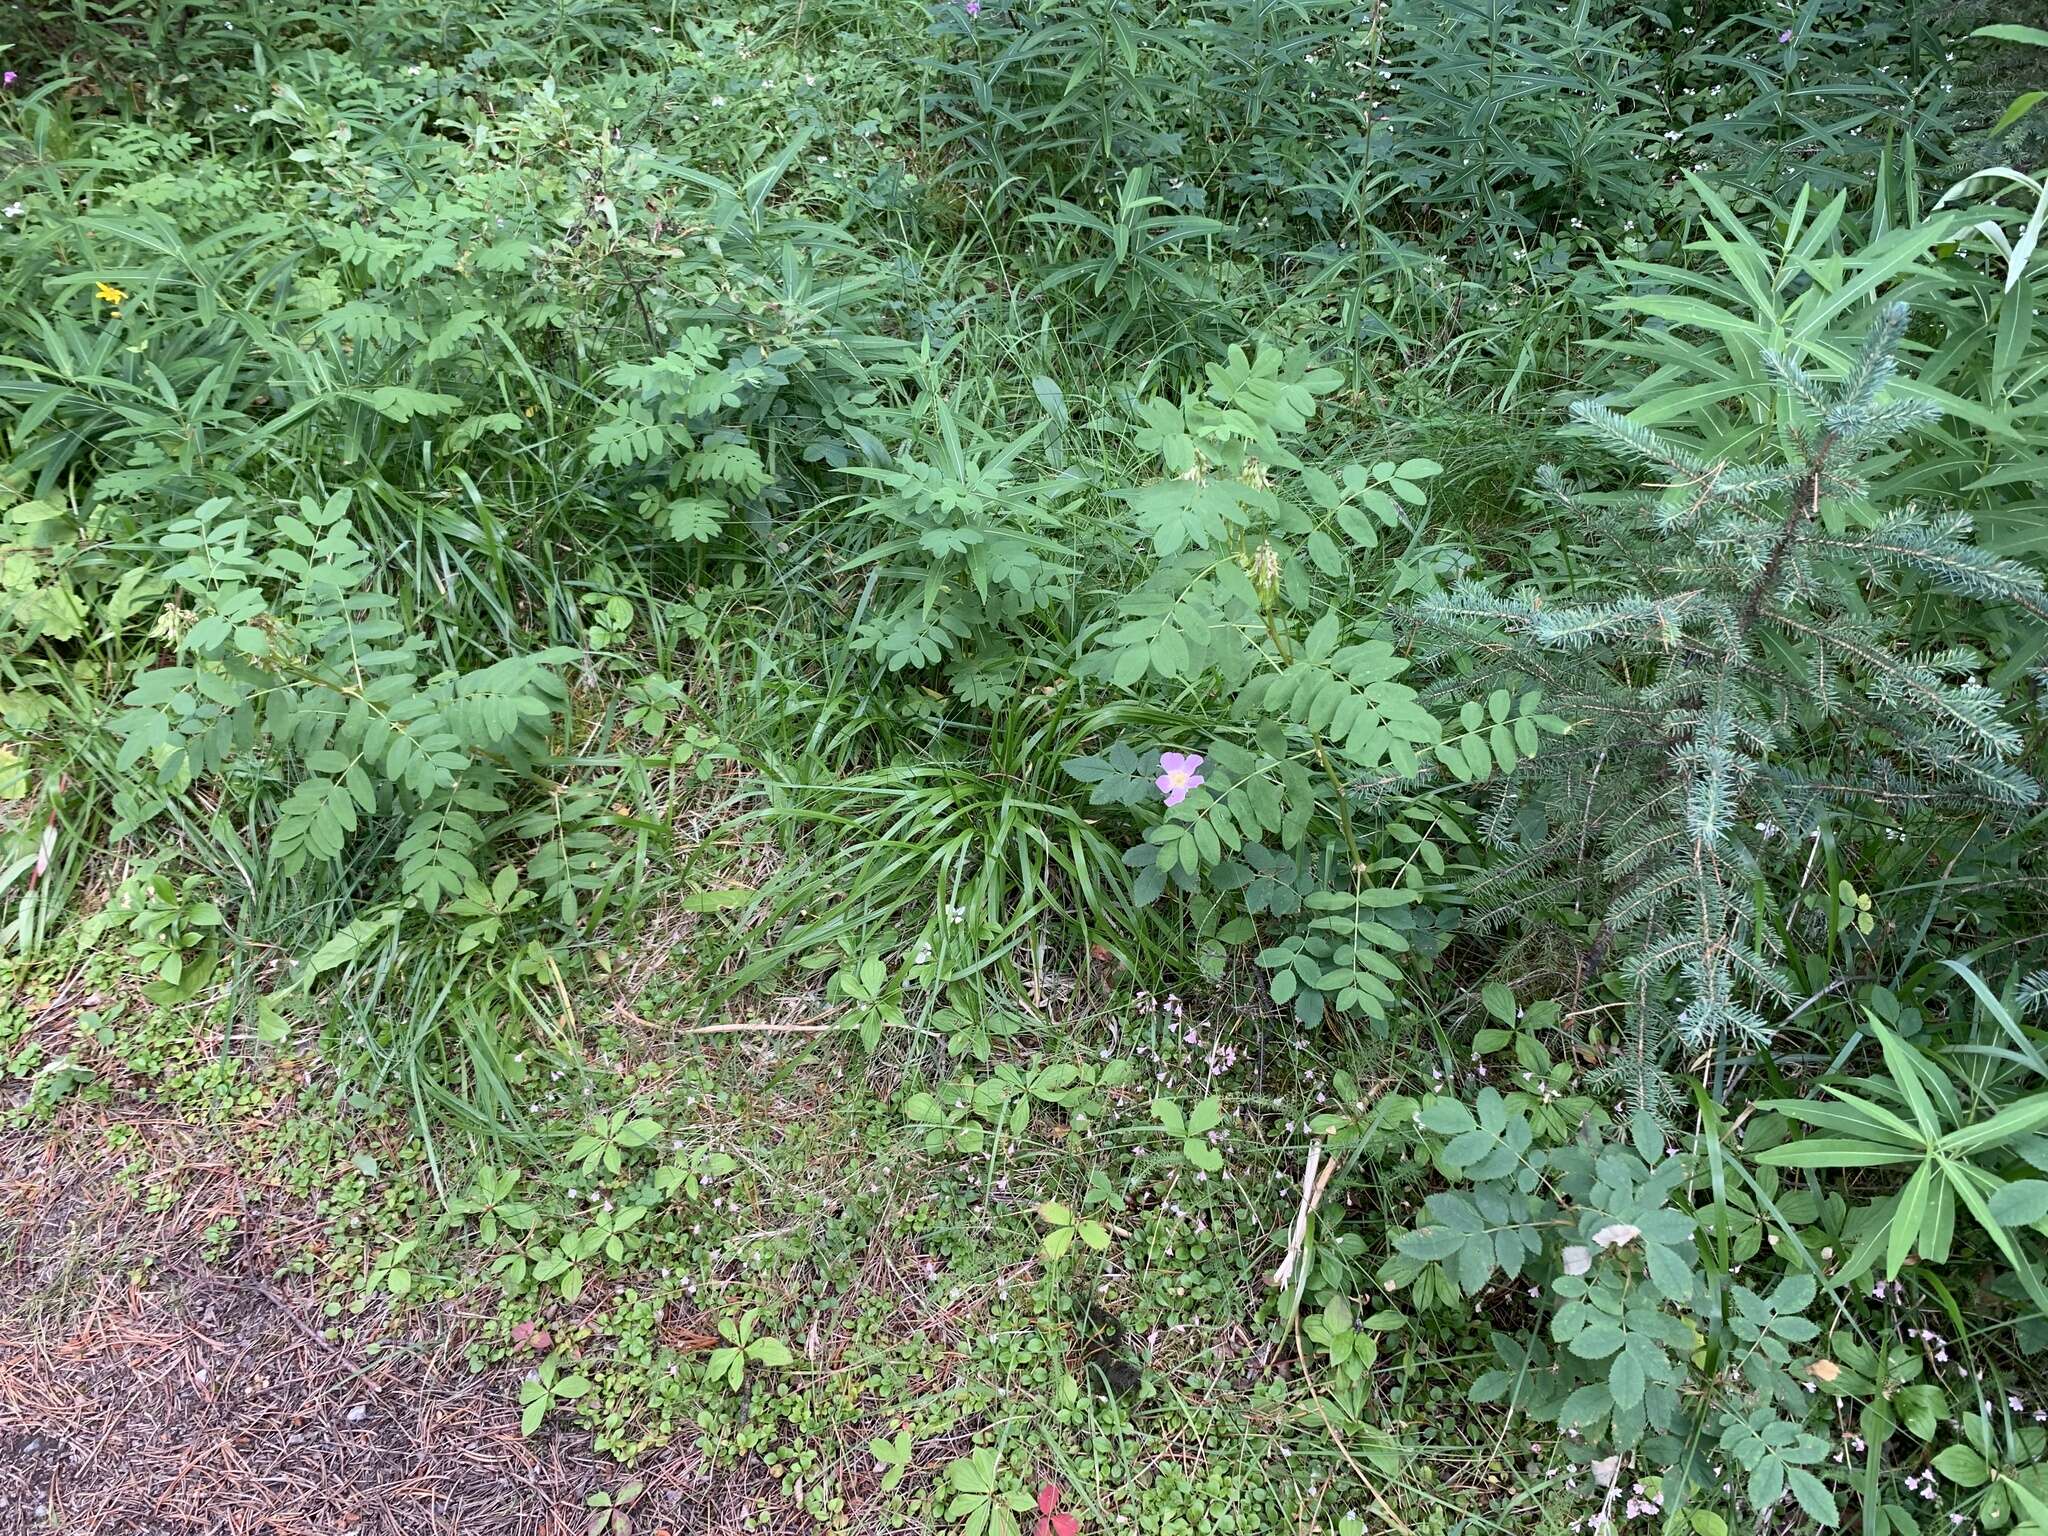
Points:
x=108, y=293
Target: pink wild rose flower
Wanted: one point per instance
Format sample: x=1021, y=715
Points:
x=1177, y=775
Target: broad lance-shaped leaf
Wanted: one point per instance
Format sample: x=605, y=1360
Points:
x=2002, y=1129
x=1915, y=1077
x=1836, y=1152
x=1853, y=1116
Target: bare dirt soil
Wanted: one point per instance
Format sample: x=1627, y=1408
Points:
x=144, y=1392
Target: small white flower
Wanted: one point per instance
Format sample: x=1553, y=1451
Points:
x=1577, y=1260
x=1618, y=1235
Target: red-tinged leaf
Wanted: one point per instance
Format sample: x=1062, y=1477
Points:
x=1064, y=1525
x=1048, y=1499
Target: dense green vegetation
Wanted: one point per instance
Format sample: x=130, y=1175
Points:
x=1278, y=763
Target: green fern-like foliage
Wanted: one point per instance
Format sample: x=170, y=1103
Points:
x=1330, y=787
x=292, y=668
x=1761, y=675
x=966, y=551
